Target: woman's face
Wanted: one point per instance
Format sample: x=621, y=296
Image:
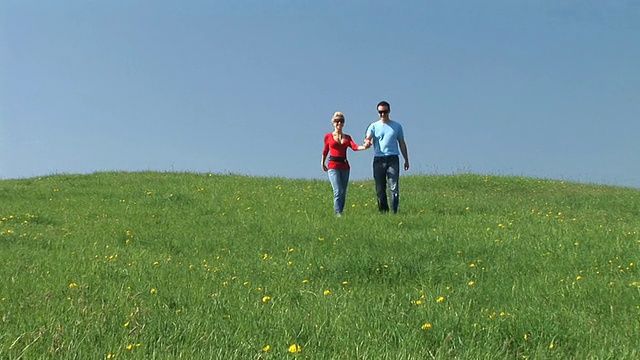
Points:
x=338, y=123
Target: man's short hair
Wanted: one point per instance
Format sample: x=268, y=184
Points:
x=384, y=103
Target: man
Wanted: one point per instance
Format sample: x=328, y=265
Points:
x=387, y=137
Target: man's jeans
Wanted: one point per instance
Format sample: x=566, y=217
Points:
x=387, y=168
x=339, y=181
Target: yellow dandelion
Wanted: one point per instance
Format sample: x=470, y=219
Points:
x=471, y=283
x=327, y=292
x=345, y=282
x=295, y=348
x=266, y=348
x=305, y=281
x=292, y=250
x=427, y=326
x=153, y=290
x=418, y=302
x=440, y=299
x=129, y=347
x=73, y=285
x=552, y=346
x=266, y=298
x=127, y=324
x=579, y=278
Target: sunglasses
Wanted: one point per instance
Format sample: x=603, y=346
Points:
x=339, y=121
x=383, y=112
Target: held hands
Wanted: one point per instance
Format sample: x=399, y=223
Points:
x=365, y=145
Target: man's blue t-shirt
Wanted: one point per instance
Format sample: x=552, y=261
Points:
x=385, y=137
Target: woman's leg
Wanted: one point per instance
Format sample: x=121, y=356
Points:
x=334, y=179
x=344, y=184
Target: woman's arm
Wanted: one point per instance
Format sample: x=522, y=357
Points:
x=325, y=152
x=356, y=147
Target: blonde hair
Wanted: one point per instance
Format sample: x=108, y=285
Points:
x=337, y=115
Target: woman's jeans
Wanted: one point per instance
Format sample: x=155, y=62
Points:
x=387, y=168
x=339, y=181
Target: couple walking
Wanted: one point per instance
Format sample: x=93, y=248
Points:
x=387, y=138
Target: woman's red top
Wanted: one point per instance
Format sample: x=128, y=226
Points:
x=334, y=148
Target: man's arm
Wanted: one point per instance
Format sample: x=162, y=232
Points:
x=368, y=136
x=368, y=141
x=405, y=153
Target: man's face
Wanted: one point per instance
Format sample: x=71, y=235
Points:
x=383, y=111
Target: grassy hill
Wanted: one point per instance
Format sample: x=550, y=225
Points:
x=199, y=266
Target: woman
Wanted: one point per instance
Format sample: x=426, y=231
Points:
x=336, y=144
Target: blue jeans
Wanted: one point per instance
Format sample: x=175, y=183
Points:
x=339, y=181
x=387, y=169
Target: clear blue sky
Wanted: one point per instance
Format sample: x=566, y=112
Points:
x=545, y=89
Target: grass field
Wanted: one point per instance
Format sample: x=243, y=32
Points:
x=199, y=266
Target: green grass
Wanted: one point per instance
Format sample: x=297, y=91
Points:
x=197, y=266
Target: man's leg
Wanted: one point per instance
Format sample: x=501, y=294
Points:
x=393, y=175
x=380, y=178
